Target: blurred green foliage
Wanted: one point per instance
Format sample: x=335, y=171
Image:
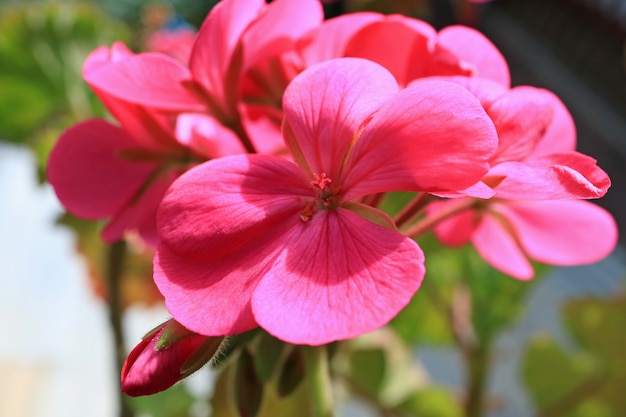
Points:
x=42, y=48
x=588, y=381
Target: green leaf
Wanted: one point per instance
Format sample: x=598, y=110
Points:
x=42, y=49
x=551, y=375
x=368, y=369
x=174, y=402
x=432, y=401
x=379, y=367
x=590, y=381
x=273, y=404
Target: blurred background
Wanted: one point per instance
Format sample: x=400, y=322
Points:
x=555, y=347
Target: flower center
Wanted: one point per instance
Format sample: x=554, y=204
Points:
x=325, y=193
x=326, y=197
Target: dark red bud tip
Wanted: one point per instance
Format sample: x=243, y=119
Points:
x=154, y=365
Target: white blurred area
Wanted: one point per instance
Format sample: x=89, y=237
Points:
x=56, y=356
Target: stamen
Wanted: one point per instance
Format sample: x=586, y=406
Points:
x=321, y=181
x=307, y=213
x=327, y=195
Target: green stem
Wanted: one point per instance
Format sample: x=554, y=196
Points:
x=477, y=363
x=318, y=379
x=115, y=267
x=475, y=351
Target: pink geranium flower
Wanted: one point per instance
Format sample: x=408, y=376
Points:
x=103, y=171
x=538, y=180
x=240, y=40
x=412, y=49
x=258, y=240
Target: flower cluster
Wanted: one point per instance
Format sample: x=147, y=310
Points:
x=257, y=168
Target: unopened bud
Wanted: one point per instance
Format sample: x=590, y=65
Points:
x=164, y=356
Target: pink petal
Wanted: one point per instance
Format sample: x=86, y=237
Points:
x=262, y=124
x=521, y=117
x=206, y=136
x=565, y=232
x=325, y=106
x=499, y=248
x=210, y=297
x=329, y=40
x=433, y=136
x=148, y=79
x=211, y=61
x=561, y=134
x=150, y=128
x=339, y=276
x=104, y=56
x=226, y=203
x=140, y=213
x=396, y=45
x=485, y=90
x=278, y=27
x=476, y=50
x=90, y=180
x=568, y=175
x=176, y=43
x=455, y=230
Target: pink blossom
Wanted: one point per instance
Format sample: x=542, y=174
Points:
x=102, y=171
x=538, y=180
x=240, y=40
x=258, y=240
x=164, y=356
x=412, y=49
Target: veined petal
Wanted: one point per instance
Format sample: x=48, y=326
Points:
x=563, y=232
x=210, y=297
x=432, y=136
x=326, y=105
x=220, y=206
x=278, y=27
x=212, y=54
x=89, y=178
x=149, y=79
x=339, y=276
x=476, y=50
x=496, y=244
x=558, y=176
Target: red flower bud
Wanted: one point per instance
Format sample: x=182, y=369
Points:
x=164, y=356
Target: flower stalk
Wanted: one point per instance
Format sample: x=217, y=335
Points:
x=318, y=379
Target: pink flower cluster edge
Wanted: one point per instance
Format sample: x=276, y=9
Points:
x=256, y=167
